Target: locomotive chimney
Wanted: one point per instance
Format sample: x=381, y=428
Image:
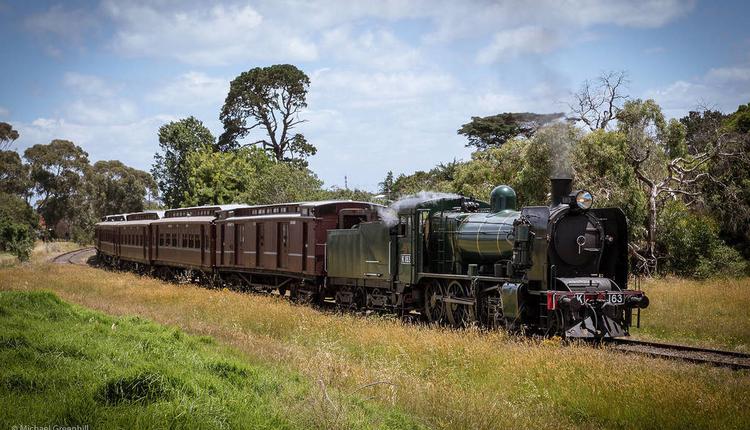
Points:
x=561, y=187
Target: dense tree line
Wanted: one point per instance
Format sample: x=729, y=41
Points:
x=683, y=184
x=54, y=192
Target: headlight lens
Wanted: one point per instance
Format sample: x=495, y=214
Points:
x=584, y=200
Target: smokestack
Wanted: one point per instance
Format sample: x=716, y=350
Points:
x=561, y=187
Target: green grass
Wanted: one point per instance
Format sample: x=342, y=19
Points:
x=64, y=365
x=377, y=371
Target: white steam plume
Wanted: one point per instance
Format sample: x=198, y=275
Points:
x=390, y=214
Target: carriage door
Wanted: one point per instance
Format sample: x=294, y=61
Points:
x=156, y=243
x=203, y=244
x=144, y=240
x=282, y=244
x=238, y=236
x=304, y=246
x=258, y=243
x=221, y=242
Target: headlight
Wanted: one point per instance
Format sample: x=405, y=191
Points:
x=584, y=200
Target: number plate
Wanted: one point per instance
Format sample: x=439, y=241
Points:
x=616, y=298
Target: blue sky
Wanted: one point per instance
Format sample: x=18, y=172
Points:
x=392, y=81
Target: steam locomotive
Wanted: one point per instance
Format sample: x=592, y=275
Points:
x=557, y=270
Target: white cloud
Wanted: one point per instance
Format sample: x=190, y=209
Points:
x=102, y=112
x=375, y=49
x=193, y=89
x=377, y=89
x=722, y=88
x=133, y=142
x=647, y=14
x=96, y=101
x=728, y=74
x=62, y=23
x=523, y=40
x=88, y=85
x=4, y=111
x=207, y=36
x=464, y=19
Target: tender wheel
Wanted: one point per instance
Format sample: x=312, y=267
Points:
x=434, y=308
x=460, y=315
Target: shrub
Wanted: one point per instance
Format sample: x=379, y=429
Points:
x=16, y=238
x=17, y=224
x=691, y=245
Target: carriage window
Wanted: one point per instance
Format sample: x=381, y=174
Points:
x=190, y=241
x=184, y=240
x=174, y=240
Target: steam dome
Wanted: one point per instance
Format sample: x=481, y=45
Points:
x=502, y=198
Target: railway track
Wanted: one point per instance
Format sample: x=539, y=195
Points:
x=715, y=357
x=78, y=256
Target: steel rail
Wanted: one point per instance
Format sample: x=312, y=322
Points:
x=67, y=257
x=716, y=357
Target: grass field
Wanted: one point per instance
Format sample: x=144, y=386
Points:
x=64, y=365
x=437, y=377
x=712, y=313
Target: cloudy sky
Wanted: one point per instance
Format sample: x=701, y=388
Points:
x=391, y=80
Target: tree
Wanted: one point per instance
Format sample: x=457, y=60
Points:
x=268, y=98
x=57, y=174
x=116, y=188
x=14, y=175
x=495, y=130
x=221, y=177
x=335, y=193
x=176, y=140
x=386, y=187
x=693, y=246
x=247, y=175
x=7, y=135
x=601, y=165
x=492, y=167
x=726, y=190
x=598, y=103
x=17, y=225
x=651, y=146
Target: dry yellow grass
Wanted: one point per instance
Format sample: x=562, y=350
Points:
x=42, y=251
x=712, y=313
x=444, y=378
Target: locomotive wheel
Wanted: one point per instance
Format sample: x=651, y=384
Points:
x=434, y=308
x=460, y=315
x=359, y=301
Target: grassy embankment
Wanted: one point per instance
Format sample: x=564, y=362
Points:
x=64, y=365
x=439, y=377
